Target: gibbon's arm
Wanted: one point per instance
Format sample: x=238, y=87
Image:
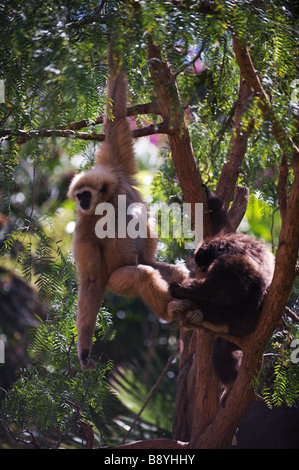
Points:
x=93, y=282
x=117, y=149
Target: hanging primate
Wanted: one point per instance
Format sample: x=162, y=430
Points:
x=233, y=274
x=127, y=264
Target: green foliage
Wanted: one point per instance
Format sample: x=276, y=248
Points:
x=132, y=386
x=54, y=67
x=279, y=378
x=53, y=396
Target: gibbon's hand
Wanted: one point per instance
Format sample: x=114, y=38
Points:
x=85, y=360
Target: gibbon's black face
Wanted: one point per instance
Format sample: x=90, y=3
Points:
x=84, y=199
x=89, y=197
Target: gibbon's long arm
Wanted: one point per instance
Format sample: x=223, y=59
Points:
x=117, y=149
x=93, y=281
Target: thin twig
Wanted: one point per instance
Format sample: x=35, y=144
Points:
x=192, y=62
x=152, y=391
x=291, y=314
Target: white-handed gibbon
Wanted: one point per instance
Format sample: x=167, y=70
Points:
x=124, y=263
x=234, y=272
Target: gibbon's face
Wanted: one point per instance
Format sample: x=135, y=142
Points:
x=87, y=198
x=92, y=188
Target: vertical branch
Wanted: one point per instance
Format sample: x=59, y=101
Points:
x=238, y=207
x=237, y=149
x=282, y=187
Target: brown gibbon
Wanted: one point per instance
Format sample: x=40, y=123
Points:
x=234, y=272
x=124, y=263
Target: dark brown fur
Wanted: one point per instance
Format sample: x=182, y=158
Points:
x=234, y=272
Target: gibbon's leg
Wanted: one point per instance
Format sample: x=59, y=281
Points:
x=226, y=359
x=146, y=282
x=92, y=285
x=172, y=272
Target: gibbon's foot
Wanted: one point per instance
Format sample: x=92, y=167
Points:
x=192, y=319
x=225, y=392
x=181, y=309
x=178, y=307
x=85, y=361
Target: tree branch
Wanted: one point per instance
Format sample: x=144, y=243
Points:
x=24, y=136
x=145, y=108
x=238, y=207
x=253, y=82
x=154, y=444
x=237, y=149
x=282, y=187
x=68, y=131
